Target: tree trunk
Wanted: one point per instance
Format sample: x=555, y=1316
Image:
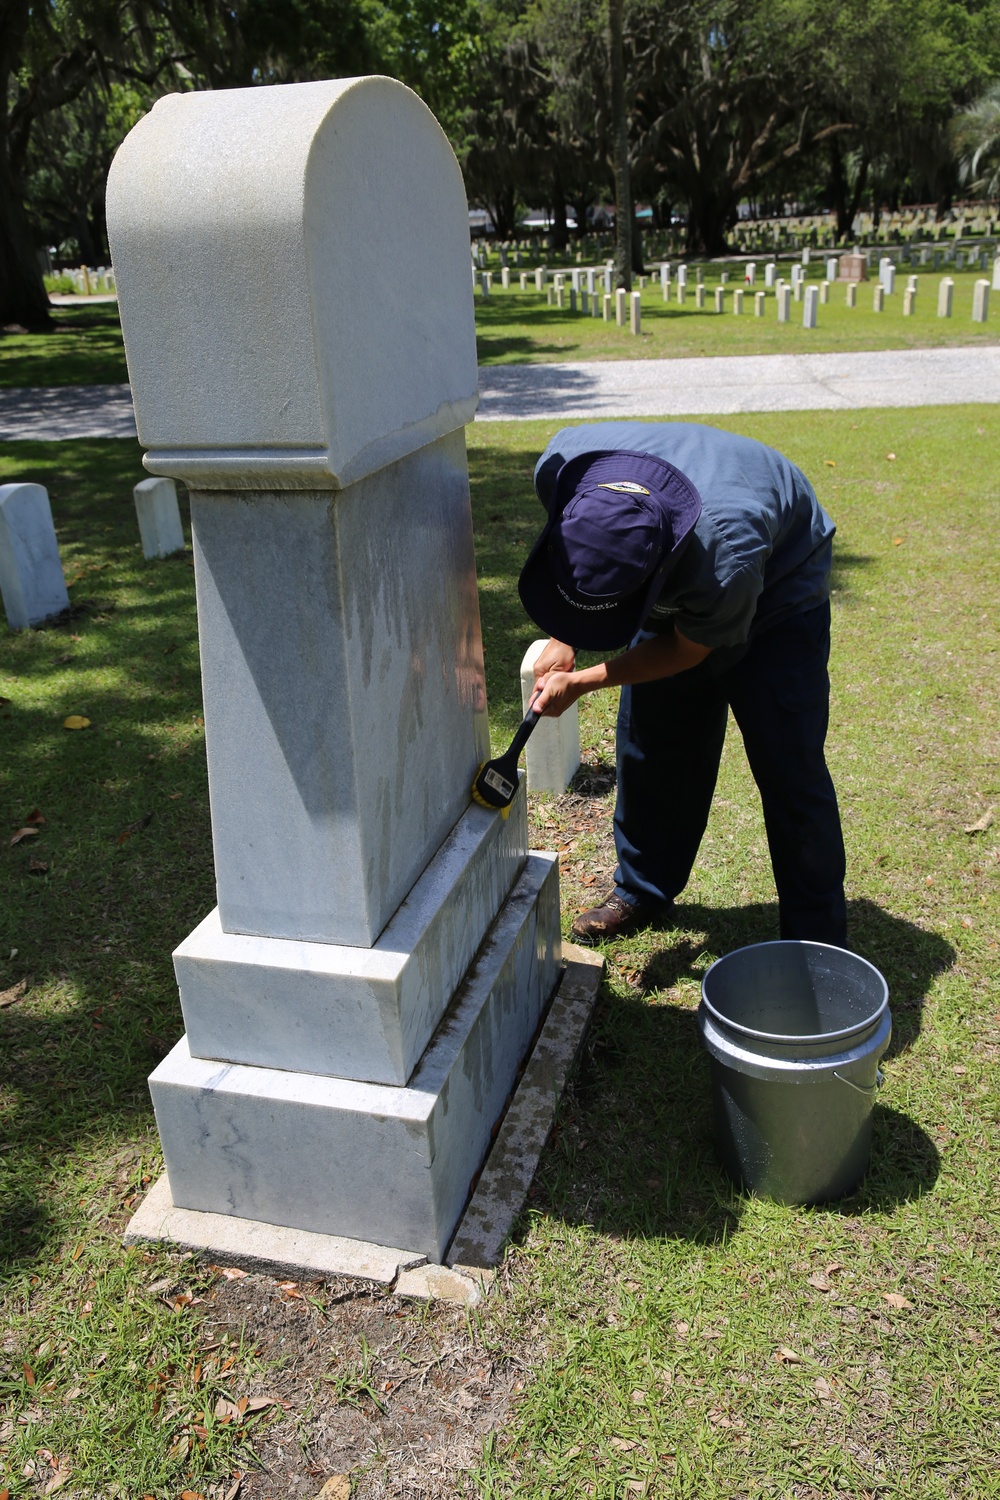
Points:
x=859, y=188
x=23, y=298
x=560, y=229
x=838, y=189
x=619, y=134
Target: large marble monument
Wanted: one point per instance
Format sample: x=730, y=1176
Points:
x=358, y=1005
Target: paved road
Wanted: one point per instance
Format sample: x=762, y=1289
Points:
x=623, y=388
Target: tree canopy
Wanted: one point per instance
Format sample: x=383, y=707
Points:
x=715, y=102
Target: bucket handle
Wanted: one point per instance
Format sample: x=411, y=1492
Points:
x=870, y=1093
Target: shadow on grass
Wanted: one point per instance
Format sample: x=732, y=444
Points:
x=634, y=1154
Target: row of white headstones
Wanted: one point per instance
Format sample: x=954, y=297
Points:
x=626, y=307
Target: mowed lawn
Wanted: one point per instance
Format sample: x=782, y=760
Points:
x=675, y=1336
x=515, y=327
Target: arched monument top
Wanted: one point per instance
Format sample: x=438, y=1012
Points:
x=292, y=264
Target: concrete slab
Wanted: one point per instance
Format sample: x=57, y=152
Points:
x=364, y=1160
x=344, y=1011
x=484, y=1227
x=505, y=1179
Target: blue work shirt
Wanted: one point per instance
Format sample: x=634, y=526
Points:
x=761, y=549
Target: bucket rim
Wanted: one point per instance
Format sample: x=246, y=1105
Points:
x=775, y=1038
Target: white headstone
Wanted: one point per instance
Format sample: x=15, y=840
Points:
x=980, y=301
x=809, y=307
x=159, y=516
x=737, y=300
x=852, y=294
x=635, y=313
x=824, y=291
x=505, y=277
x=552, y=755
x=720, y=299
x=831, y=268
x=946, y=289
x=31, y=575
x=751, y=272
x=784, y=303
x=321, y=439
x=909, y=300
x=996, y=275
x=878, y=297
x=769, y=273
x=620, y=306
x=759, y=304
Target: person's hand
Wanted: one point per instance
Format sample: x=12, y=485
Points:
x=555, y=657
x=559, y=691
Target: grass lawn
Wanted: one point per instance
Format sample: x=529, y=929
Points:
x=653, y=1331
x=515, y=327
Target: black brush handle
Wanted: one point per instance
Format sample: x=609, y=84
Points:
x=520, y=739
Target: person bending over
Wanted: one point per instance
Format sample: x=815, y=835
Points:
x=708, y=556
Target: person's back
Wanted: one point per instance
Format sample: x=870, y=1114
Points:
x=761, y=548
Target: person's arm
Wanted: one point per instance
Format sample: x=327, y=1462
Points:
x=663, y=656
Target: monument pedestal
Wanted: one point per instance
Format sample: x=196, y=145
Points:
x=361, y=1001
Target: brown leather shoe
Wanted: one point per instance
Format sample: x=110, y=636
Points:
x=615, y=918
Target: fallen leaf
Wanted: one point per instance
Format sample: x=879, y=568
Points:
x=623, y=1444
x=233, y=1273
x=226, y=1410
x=15, y=993
x=638, y=1398
x=192, y=1495
x=833, y=1268
x=890, y=455
x=257, y=1403
x=58, y=1479
x=984, y=822
x=37, y=867
x=896, y=1299
x=681, y=1330
x=337, y=1487
x=24, y=833
x=76, y=721
x=897, y=541
x=29, y=1375
x=824, y=1389
x=787, y=1356
x=820, y=1282
x=830, y=463
x=34, y=816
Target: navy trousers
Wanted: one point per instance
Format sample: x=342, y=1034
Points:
x=670, y=737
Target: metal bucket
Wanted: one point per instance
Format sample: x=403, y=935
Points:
x=795, y=1032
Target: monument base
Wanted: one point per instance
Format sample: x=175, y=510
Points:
x=367, y=1161
x=483, y=1228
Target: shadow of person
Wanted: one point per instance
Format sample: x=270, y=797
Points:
x=634, y=1154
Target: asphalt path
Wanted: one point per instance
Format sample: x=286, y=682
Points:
x=612, y=388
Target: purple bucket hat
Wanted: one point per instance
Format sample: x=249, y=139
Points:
x=617, y=525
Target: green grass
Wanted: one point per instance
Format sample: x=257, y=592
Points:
x=632, y=1230
x=640, y=1266
x=84, y=347
x=515, y=327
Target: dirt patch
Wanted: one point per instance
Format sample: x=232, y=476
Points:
x=398, y=1394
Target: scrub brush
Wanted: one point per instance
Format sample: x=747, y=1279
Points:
x=496, y=780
